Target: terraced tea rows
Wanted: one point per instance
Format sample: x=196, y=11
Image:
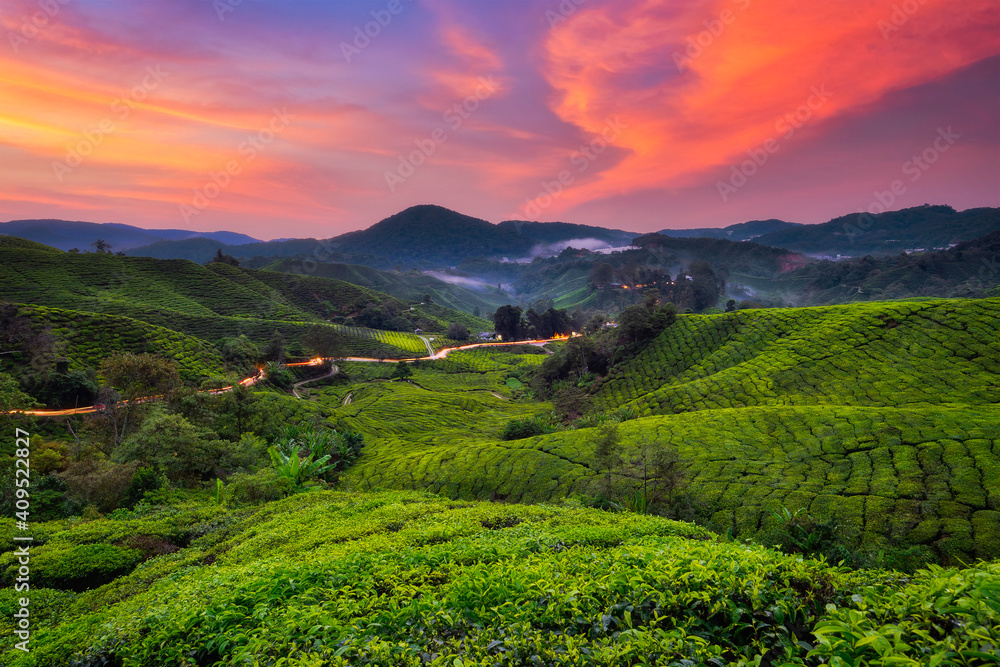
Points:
x=929, y=476
x=409, y=343
x=888, y=354
x=86, y=339
x=406, y=579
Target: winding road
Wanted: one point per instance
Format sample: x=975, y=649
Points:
x=259, y=375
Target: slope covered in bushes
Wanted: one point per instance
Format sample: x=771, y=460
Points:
x=880, y=419
x=413, y=579
x=880, y=354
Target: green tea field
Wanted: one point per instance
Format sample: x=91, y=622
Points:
x=395, y=579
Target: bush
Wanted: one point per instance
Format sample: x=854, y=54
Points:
x=145, y=479
x=261, y=487
x=80, y=567
x=457, y=331
x=101, y=484
x=516, y=429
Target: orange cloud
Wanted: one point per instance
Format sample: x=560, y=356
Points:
x=690, y=108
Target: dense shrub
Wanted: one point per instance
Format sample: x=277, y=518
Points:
x=79, y=567
x=516, y=429
x=262, y=486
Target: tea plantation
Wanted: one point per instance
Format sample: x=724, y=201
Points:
x=406, y=578
x=881, y=418
x=211, y=303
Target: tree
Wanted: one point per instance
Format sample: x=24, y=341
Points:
x=102, y=246
x=731, y=305
x=458, y=331
x=240, y=352
x=634, y=323
x=601, y=274
x=18, y=333
x=224, y=258
x=476, y=312
x=324, y=341
x=241, y=407
x=174, y=446
x=402, y=371
x=275, y=348
x=131, y=380
x=507, y=322
x=607, y=453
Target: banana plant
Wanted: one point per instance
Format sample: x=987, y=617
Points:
x=298, y=471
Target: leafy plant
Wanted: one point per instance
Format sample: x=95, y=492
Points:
x=298, y=471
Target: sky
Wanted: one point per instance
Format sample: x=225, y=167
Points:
x=306, y=118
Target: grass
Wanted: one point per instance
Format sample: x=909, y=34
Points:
x=406, y=578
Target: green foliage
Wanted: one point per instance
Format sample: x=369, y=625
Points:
x=78, y=568
x=411, y=579
x=518, y=429
x=299, y=471
x=263, y=486
x=174, y=447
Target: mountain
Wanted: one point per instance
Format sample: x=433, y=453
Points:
x=424, y=237
x=65, y=235
x=432, y=235
x=202, y=250
x=743, y=231
x=559, y=235
x=921, y=227
x=454, y=291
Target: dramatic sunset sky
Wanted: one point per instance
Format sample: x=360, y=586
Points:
x=116, y=111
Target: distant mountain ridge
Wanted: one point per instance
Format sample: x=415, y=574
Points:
x=66, y=234
x=742, y=231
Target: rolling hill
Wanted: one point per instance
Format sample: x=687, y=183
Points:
x=171, y=306
x=858, y=234
x=412, y=579
x=882, y=417
x=743, y=231
x=64, y=234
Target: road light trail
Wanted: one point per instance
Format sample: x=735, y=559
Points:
x=316, y=361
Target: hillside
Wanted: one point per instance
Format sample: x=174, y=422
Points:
x=881, y=417
x=890, y=233
x=97, y=302
x=423, y=237
x=742, y=231
x=967, y=269
x=413, y=579
x=462, y=293
x=65, y=235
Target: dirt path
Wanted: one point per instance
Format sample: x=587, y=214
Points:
x=349, y=398
x=430, y=350
x=333, y=371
